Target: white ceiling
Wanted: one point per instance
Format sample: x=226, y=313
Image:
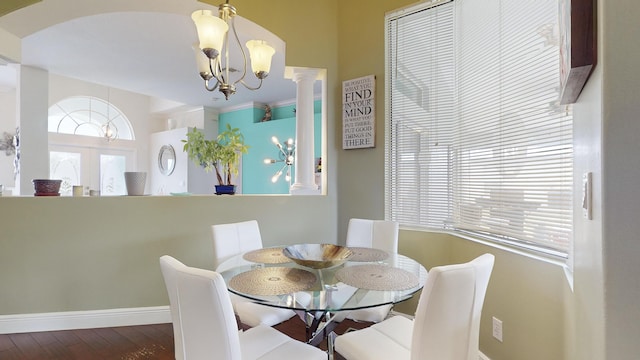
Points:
x=139, y=51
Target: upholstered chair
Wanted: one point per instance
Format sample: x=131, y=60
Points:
x=377, y=234
x=446, y=324
x=236, y=238
x=207, y=322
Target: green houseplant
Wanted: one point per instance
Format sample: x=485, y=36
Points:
x=222, y=155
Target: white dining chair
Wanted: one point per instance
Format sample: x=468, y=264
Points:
x=169, y=267
x=446, y=324
x=233, y=239
x=377, y=234
x=207, y=322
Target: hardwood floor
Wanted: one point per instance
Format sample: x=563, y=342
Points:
x=125, y=343
x=118, y=343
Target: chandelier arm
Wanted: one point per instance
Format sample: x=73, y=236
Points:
x=244, y=55
x=206, y=85
x=251, y=87
x=215, y=65
x=281, y=170
x=282, y=156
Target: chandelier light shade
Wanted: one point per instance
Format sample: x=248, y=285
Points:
x=211, y=32
x=260, y=53
x=212, y=51
x=202, y=61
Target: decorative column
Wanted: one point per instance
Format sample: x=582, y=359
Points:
x=304, y=183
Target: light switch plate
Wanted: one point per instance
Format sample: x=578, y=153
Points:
x=586, y=196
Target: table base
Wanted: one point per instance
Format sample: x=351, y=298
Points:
x=319, y=324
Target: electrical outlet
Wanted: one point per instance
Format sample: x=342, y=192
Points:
x=497, y=329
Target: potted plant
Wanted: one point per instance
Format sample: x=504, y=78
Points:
x=222, y=155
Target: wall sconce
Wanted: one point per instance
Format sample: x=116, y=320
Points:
x=286, y=155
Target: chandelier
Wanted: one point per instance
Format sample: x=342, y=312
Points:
x=212, y=52
x=285, y=155
x=109, y=129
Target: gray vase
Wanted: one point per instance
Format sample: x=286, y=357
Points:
x=135, y=181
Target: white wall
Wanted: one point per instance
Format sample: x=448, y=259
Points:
x=7, y=124
x=31, y=98
x=10, y=46
x=186, y=177
x=587, y=299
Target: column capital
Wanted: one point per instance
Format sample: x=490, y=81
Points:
x=302, y=73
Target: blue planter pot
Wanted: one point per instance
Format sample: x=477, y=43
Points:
x=225, y=189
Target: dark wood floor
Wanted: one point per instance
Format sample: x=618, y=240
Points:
x=118, y=343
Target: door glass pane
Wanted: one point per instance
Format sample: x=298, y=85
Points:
x=66, y=167
x=112, y=168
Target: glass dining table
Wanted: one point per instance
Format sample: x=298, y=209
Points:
x=368, y=278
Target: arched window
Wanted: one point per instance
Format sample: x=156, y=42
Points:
x=86, y=160
x=89, y=116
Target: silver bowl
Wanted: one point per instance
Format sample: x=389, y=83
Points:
x=317, y=256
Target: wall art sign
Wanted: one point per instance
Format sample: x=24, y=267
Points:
x=358, y=113
x=578, y=47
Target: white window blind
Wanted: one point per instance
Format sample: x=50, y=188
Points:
x=476, y=140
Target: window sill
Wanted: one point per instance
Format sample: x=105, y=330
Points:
x=562, y=262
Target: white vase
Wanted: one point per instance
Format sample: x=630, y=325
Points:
x=135, y=181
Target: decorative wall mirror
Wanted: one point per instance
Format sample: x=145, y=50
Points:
x=166, y=160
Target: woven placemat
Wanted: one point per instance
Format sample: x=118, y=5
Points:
x=377, y=277
x=267, y=256
x=363, y=254
x=272, y=281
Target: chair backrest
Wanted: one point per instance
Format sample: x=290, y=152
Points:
x=448, y=310
x=208, y=323
x=169, y=267
x=483, y=265
x=378, y=234
x=235, y=238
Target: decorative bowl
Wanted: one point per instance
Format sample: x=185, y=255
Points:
x=317, y=256
x=46, y=186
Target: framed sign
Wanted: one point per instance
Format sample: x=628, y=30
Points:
x=578, y=55
x=358, y=113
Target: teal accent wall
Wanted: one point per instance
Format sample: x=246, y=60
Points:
x=256, y=175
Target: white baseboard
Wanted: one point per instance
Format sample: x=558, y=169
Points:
x=21, y=323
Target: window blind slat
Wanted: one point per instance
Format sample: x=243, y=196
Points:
x=476, y=141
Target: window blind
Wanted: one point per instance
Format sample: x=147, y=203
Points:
x=476, y=140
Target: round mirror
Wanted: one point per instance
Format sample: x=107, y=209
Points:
x=166, y=159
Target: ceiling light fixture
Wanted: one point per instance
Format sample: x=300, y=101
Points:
x=110, y=133
x=109, y=130
x=286, y=155
x=212, y=52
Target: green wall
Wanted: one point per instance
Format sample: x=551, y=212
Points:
x=527, y=295
x=92, y=253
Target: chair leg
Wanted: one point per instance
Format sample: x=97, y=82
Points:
x=331, y=338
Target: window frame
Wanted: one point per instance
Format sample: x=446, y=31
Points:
x=501, y=241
